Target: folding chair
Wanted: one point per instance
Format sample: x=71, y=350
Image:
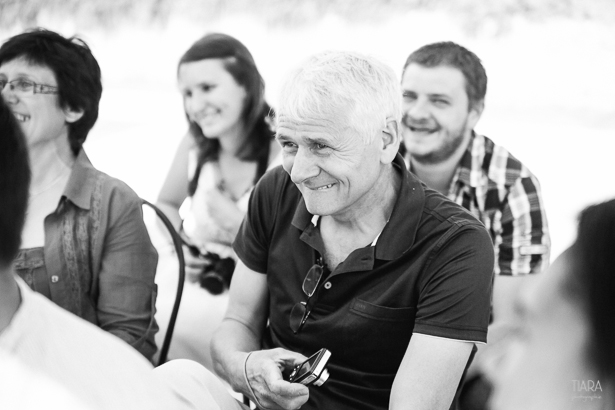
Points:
x=177, y=243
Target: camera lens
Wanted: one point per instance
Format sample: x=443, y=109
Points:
x=213, y=282
x=216, y=276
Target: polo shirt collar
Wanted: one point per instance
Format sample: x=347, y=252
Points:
x=406, y=215
x=399, y=233
x=80, y=184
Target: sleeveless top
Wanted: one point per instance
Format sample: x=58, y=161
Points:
x=202, y=229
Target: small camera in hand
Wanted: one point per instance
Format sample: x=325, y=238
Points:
x=216, y=275
x=313, y=371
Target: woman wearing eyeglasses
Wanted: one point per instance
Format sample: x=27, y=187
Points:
x=228, y=147
x=84, y=243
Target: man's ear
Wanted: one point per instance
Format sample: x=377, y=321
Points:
x=72, y=115
x=475, y=112
x=390, y=141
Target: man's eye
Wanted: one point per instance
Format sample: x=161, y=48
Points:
x=319, y=146
x=440, y=103
x=206, y=87
x=409, y=96
x=288, y=146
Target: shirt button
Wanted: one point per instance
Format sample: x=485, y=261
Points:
x=54, y=278
x=328, y=285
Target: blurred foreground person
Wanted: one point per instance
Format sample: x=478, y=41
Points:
x=228, y=147
x=84, y=243
x=563, y=357
x=76, y=363
x=344, y=249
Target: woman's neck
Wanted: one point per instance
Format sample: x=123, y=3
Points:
x=232, y=140
x=49, y=163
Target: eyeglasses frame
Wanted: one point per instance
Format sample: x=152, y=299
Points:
x=36, y=88
x=306, y=305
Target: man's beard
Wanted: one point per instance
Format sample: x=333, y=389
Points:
x=449, y=146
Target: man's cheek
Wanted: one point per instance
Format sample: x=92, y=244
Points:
x=287, y=162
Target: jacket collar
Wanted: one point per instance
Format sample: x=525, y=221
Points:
x=81, y=182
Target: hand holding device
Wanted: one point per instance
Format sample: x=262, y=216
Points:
x=263, y=372
x=313, y=370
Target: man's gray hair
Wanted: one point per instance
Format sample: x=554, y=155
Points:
x=351, y=89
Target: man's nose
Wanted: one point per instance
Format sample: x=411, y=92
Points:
x=303, y=166
x=417, y=109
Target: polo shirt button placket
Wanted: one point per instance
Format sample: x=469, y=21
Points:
x=328, y=285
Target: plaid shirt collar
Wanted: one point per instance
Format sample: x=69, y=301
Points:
x=473, y=165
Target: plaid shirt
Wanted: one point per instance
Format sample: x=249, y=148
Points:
x=505, y=196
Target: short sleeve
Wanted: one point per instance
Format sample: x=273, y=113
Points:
x=455, y=292
x=252, y=241
x=524, y=243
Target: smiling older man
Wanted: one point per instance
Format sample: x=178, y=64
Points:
x=343, y=248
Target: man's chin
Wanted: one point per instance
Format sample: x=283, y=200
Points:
x=422, y=151
x=428, y=158
x=318, y=207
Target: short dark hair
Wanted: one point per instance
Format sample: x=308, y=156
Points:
x=75, y=68
x=239, y=63
x=593, y=276
x=453, y=55
x=14, y=184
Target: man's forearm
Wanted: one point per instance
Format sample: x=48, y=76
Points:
x=229, y=348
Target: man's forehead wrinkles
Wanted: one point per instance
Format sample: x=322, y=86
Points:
x=332, y=126
x=324, y=120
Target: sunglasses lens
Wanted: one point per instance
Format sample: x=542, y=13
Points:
x=296, y=316
x=310, y=283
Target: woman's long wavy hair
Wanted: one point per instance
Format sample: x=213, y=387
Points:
x=256, y=114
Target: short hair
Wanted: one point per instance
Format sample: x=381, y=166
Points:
x=75, y=69
x=453, y=55
x=239, y=63
x=14, y=184
x=592, y=279
x=360, y=91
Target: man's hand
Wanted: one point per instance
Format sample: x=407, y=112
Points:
x=264, y=373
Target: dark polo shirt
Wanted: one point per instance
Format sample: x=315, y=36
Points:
x=430, y=272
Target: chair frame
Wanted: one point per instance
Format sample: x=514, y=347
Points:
x=177, y=244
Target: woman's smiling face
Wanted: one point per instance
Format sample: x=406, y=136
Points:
x=212, y=97
x=40, y=116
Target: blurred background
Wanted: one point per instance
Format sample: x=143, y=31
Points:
x=550, y=64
